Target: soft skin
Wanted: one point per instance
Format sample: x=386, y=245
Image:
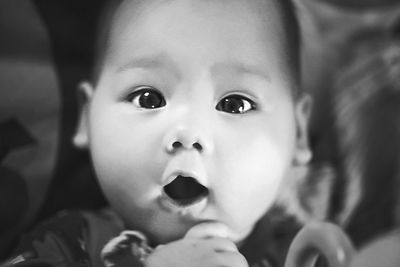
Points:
x=196, y=55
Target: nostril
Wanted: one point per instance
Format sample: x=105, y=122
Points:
x=176, y=144
x=198, y=146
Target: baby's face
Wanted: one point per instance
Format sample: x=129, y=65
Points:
x=192, y=119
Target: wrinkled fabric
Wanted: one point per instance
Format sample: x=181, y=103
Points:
x=77, y=239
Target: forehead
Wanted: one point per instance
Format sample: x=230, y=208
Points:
x=244, y=32
x=257, y=17
x=137, y=8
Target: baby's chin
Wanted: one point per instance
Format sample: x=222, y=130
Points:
x=162, y=233
x=208, y=229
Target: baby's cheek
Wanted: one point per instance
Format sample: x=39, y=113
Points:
x=251, y=181
x=258, y=160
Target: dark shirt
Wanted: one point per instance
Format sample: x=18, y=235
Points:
x=76, y=239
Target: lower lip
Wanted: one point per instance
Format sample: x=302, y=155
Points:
x=192, y=210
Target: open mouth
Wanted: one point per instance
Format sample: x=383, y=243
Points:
x=185, y=191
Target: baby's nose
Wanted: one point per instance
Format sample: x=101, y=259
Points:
x=178, y=144
x=188, y=139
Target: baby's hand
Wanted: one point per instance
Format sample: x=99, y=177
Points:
x=190, y=252
x=199, y=248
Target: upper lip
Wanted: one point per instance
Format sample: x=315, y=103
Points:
x=171, y=176
x=187, y=167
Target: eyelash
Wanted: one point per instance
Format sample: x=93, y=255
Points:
x=148, y=97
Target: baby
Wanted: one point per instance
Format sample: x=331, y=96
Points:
x=194, y=120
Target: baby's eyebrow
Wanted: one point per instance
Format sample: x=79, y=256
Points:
x=157, y=61
x=238, y=67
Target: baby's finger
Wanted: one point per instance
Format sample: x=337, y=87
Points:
x=207, y=230
x=233, y=259
x=221, y=245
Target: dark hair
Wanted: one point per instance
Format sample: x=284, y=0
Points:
x=289, y=20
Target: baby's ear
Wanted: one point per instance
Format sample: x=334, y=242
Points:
x=303, y=109
x=81, y=137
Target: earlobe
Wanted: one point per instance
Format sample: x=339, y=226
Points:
x=303, y=152
x=81, y=137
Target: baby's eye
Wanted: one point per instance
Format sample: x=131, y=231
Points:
x=236, y=104
x=147, y=97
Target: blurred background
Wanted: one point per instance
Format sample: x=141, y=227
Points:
x=351, y=66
